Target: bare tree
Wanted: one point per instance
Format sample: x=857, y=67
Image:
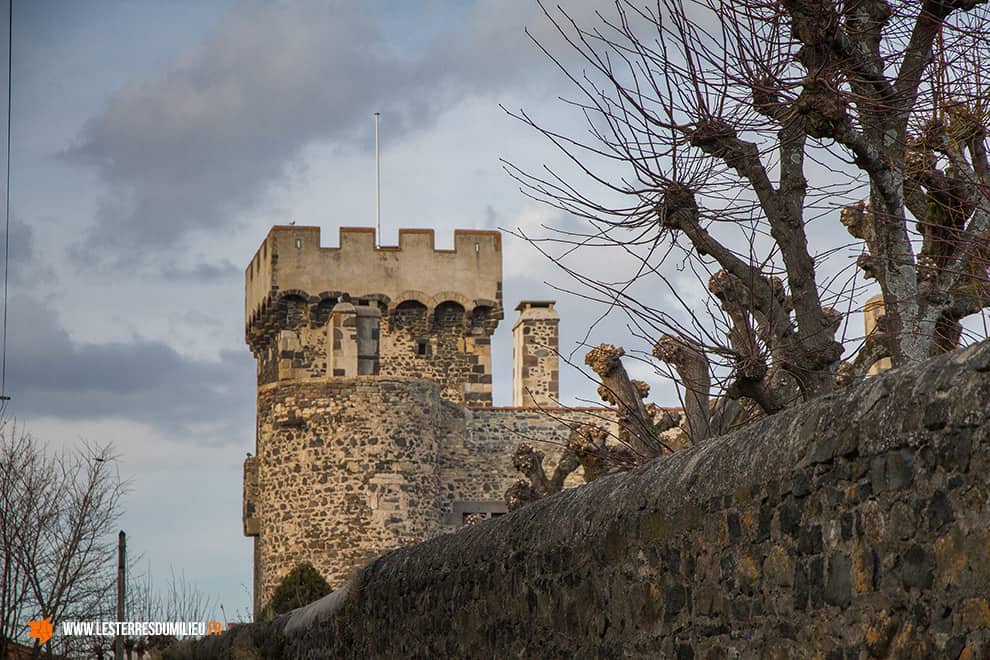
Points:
x=15, y=514
x=737, y=124
x=58, y=514
x=717, y=134
x=178, y=600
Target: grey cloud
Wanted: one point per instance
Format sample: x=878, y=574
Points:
x=24, y=269
x=202, y=273
x=50, y=374
x=491, y=49
x=192, y=148
x=201, y=143
x=491, y=217
x=200, y=320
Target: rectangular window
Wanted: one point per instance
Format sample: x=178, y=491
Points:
x=368, y=319
x=471, y=512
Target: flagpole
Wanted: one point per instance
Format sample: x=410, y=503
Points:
x=378, y=186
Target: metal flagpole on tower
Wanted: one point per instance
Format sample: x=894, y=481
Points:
x=378, y=187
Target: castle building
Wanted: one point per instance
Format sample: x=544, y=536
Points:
x=375, y=424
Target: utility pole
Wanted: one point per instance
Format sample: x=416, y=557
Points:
x=118, y=647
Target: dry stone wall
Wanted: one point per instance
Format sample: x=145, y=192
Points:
x=854, y=526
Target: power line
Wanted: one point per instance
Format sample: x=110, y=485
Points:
x=6, y=241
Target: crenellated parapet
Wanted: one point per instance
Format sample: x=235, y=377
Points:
x=292, y=263
x=409, y=310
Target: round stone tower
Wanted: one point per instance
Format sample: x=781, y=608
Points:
x=361, y=350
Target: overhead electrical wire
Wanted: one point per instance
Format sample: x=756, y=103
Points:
x=4, y=398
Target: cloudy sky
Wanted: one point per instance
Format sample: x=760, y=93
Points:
x=153, y=146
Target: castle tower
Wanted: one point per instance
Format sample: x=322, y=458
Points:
x=534, y=355
x=357, y=346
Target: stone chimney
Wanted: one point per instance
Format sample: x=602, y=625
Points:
x=342, y=341
x=534, y=355
x=872, y=311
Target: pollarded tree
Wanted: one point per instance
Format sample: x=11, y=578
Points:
x=721, y=130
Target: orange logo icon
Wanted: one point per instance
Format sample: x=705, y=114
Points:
x=41, y=630
x=214, y=627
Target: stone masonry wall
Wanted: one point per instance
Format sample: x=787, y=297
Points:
x=349, y=468
x=345, y=468
x=448, y=346
x=476, y=454
x=299, y=348
x=854, y=526
x=538, y=365
x=535, y=368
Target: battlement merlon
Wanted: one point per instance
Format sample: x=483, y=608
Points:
x=291, y=259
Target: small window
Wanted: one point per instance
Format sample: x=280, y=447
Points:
x=298, y=243
x=468, y=513
x=471, y=518
x=422, y=347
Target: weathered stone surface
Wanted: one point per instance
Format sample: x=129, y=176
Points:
x=535, y=370
x=350, y=467
x=627, y=565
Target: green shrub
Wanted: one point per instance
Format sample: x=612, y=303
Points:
x=301, y=586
